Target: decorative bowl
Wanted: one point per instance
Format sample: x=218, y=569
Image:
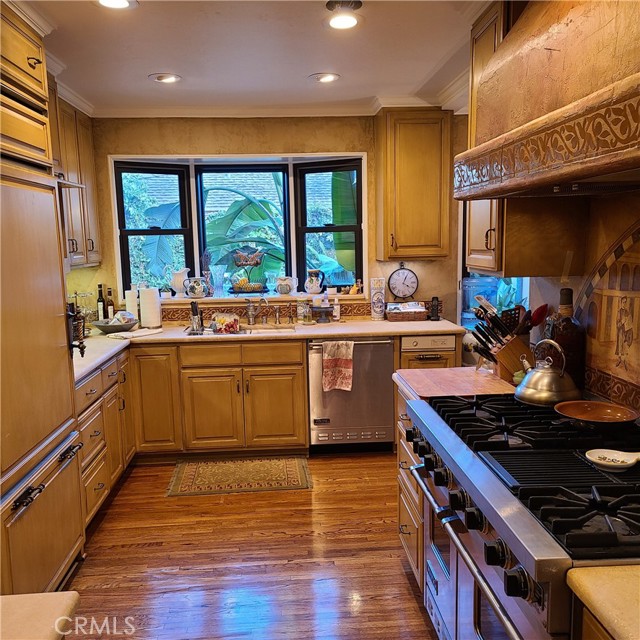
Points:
x=105, y=327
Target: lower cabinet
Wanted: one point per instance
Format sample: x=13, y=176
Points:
x=42, y=523
x=113, y=435
x=233, y=407
x=125, y=407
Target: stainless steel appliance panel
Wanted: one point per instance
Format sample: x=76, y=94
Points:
x=365, y=413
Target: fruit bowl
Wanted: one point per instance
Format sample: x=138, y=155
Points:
x=105, y=327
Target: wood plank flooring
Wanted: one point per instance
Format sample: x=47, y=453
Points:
x=318, y=564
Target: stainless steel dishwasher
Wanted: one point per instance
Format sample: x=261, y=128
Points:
x=364, y=414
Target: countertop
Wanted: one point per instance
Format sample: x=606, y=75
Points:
x=455, y=381
x=612, y=594
x=100, y=348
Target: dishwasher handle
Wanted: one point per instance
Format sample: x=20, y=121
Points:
x=318, y=345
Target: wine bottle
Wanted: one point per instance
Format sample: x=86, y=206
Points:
x=111, y=308
x=101, y=304
x=570, y=335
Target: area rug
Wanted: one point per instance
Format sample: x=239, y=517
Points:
x=208, y=476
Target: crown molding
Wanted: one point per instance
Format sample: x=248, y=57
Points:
x=32, y=17
x=455, y=95
x=55, y=66
x=75, y=100
x=397, y=102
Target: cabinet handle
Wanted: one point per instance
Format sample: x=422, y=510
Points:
x=70, y=243
x=403, y=464
x=238, y=386
x=33, y=62
x=123, y=379
x=112, y=374
x=27, y=496
x=70, y=452
x=99, y=487
x=429, y=356
x=394, y=244
x=246, y=385
x=91, y=392
x=95, y=434
x=91, y=246
x=123, y=404
x=487, y=236
x=404, y=417
x=403, y=530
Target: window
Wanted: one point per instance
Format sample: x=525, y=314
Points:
x=154, y=222
x=329, y=221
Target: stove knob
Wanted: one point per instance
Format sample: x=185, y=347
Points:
x=516, y=583
x=410, y=434
x=422, y=448
x=441, y=476
x=429, y=462
x=457, y=499
x=473, y=518
x=495, y=553
x=415, y=442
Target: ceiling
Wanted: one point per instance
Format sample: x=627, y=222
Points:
x=243, y=58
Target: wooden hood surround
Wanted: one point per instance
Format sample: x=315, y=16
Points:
x=559, y=102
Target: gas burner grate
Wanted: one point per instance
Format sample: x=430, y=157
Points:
x=596, y=522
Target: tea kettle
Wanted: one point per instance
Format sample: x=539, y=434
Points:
x=546, y=384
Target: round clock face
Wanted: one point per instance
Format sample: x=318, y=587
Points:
x=403, y=282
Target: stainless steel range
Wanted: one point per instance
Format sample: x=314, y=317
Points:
x=511, y=503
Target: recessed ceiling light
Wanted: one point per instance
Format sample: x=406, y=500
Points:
x=165, y=78
x=118, y=4
x=344, y=16
x=324, y=78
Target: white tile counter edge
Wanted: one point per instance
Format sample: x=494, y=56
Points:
x=100, y=349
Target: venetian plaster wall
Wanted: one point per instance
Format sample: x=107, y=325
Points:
x=202, y=137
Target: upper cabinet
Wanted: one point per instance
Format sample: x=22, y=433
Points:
x=24, y=123
x=414, y=156
x=78, y=186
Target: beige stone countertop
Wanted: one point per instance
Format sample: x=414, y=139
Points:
x=100, y=348
x=612, y=594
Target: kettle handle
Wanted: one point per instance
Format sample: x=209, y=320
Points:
x=553, y=343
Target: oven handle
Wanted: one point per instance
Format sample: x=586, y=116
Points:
x=483, y=585
x=450, y=523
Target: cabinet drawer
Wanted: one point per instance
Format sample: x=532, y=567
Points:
x=109, y=374
x=406, y=459
x=269, y=352
x=429, y=360
x=24, y=133
x=96, y=486
x=88, y=391
x=411, y=530
x=22, y=56
x=91, y=427
x=210, y=355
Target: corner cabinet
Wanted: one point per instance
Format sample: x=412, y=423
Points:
x=414, y=160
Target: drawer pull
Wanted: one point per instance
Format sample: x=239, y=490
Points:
x=403, y=465
x=95, y=434
x=428, y=356
x=33, y=62
x=113, y=374
x=402, y=529
x=70, y=452
x=404, y=417
x=99, y=487
x=91, y=392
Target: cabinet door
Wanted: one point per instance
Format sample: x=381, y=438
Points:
x=275, y=406
x=411, y=532
x=126, y=410
x=54, y=128
x=88, y=179
x=31, y=261
x=113, y=435
x=427, y=360
x=41, y=538
x=212, y=408
x=417, y=176
x=156, y=398
x=72, y=197
x=484, y=235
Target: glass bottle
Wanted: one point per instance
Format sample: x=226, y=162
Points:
x=101, y=304
x=565, y=329
x=111, y=308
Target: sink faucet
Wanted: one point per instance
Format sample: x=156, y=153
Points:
x=277, y=315
x=253, y=310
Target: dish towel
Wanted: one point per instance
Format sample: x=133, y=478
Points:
x=337, y=365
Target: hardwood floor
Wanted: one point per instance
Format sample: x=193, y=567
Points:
x=322, y=564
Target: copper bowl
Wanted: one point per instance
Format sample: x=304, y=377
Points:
x=598, y=412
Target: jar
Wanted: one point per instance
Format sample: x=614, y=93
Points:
x=377, y=298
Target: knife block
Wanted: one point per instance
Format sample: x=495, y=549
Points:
x=508, y=357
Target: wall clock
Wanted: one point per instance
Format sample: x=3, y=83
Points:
x=403, y=282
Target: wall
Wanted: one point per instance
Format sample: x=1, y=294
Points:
x=607, y=298
x=274, y=136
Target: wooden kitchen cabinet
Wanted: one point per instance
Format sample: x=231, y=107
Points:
x=411, y=531
x=113, y=435
x=156, y=398
x=78, y=186
x=414, y=158
x=126, y=408
x=229, y=403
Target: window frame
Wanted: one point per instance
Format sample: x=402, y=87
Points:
x=182, y=171
x=301, y=170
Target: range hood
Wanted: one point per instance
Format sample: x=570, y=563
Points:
x=558, y=105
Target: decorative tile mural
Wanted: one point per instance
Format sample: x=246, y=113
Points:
x=609, y=307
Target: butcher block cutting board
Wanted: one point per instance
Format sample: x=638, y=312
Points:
x=456, y=381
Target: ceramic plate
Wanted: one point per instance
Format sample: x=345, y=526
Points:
x=596, y=411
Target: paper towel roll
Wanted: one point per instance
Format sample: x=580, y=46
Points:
x=150, y=309
x=131, y=302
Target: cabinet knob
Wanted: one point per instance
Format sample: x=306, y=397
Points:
x=33, y=62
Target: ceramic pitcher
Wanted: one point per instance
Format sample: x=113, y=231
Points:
x=196, y=287
x=313, y=284
x=177, y=281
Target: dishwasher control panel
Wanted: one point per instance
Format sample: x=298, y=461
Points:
x=428, y=343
